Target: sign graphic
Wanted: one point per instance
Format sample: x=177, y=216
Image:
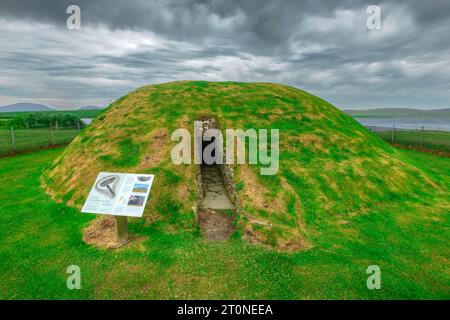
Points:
x=119, y=194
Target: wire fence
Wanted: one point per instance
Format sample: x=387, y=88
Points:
x=418, y=137
x=14, y=140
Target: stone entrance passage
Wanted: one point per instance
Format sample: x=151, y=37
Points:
x=216, y=212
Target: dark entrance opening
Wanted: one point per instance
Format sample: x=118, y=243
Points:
x=215, y=210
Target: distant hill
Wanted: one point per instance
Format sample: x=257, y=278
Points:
x=24, y=107
x=399, y=113
x=90, y=108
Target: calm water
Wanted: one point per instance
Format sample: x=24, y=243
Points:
x=407, y=123
x=87, y=120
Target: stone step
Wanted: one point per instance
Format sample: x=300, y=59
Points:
x=215, y=194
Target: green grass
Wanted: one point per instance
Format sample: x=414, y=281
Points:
x=26, y=140
x=40, y=238
x=130, y=154
x=438, y=141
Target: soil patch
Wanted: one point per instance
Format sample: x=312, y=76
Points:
x=216, y=224
x=101, y=232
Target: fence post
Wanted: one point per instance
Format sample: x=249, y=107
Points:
x=393, y=133
x=78, y=124
x=56, y=125
x=421, y=138
x=13, y=140
x=51, y=135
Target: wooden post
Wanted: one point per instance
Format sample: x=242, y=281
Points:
x=122, y=229
x=421, y=138
x=78, y=124
x=13, y=140
x=393, y=134
x=51, y=135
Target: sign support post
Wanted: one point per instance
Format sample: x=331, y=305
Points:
x=122, y=229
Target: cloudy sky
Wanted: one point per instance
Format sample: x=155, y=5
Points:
x=323, y=47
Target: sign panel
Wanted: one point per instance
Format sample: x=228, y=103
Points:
x=119, y=194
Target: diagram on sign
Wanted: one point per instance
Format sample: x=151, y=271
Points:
x=119, y=194
x=107, y=185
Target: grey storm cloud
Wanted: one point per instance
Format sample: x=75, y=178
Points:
x=320, y=46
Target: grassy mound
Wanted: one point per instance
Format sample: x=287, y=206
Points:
x=331, y=168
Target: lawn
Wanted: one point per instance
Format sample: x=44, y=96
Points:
x=438, y=141
x=32, y=139
x=40, y=238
